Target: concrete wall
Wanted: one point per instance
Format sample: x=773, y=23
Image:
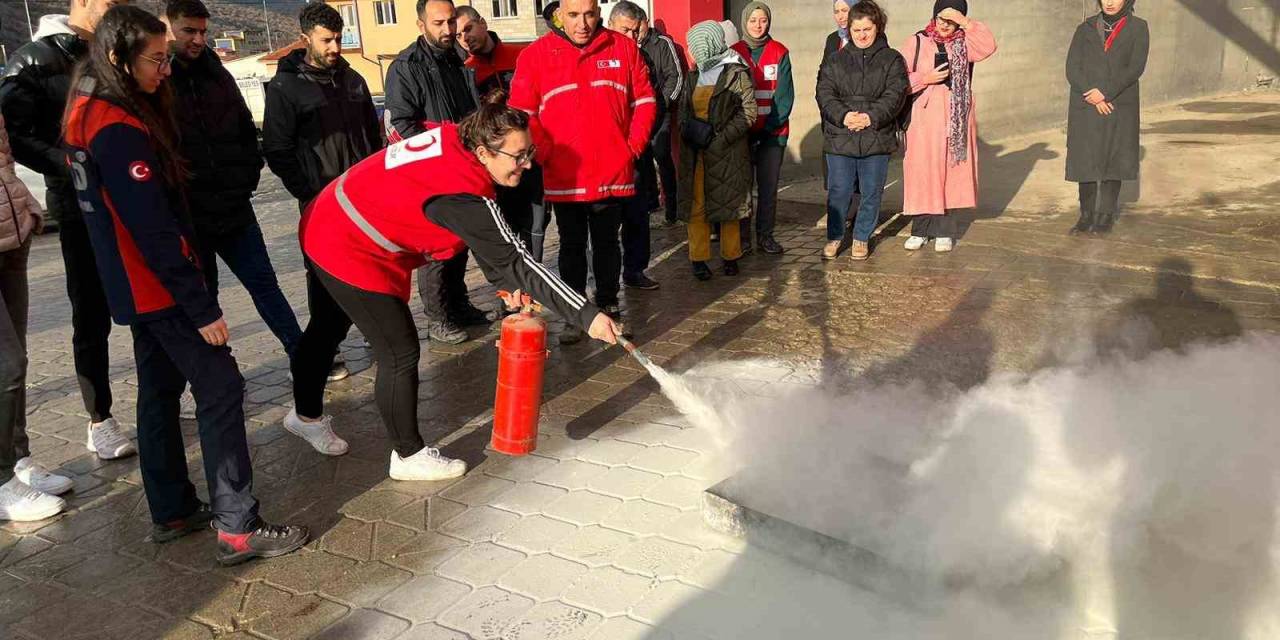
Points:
x=1198, y=47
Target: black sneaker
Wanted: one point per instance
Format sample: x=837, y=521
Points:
x=266, y=541
x=471, y=316
x=731, y=267
x=770, y=246
x=446, y=331
x=170, y=531
x=701, y=271
x=338, y=371
x=639, y=281
x=747, y=249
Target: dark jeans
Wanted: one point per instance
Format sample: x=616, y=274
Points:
x=325, y=332
x=14, y=444
x=599, y=222
x=635, y=217
x=767, y=162
x=90, y=318
x=666, y=166
x=388, y=325
x=169, y=353
x=846, y=175
x=934, y=226
x=245, y=252
x=442, y=285
x=1108, y=203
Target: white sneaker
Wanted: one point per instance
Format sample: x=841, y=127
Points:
x=943, y=245
x=20, y=503
x=319, y=435
x=915, y=243
x=427, y=464
x=106, y=440
x=34, y=475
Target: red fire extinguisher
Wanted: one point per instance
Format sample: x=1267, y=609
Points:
x=522, y=356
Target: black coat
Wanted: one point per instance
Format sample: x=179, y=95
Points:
x=422, y=85
x=871, y=81
x=666, y=69
x=318, y=123
x=1105, y=147
x=831, y=46
x=33, y=97
x=219, y=143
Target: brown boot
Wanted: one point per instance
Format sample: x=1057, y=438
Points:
x=860, y=250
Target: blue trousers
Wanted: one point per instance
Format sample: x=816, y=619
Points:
x=845, y=175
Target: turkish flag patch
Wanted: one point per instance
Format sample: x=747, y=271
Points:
x=140, y=171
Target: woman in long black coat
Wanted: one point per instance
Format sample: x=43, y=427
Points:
x=1107, y=57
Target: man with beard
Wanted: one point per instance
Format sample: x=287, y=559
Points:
x=319, y=122
x=220, y=143
x=428, y=84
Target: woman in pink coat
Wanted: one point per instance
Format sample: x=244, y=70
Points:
x=940, y=171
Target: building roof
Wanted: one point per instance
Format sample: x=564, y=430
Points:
x=283, y=51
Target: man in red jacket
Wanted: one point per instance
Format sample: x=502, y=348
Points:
x=588, y=162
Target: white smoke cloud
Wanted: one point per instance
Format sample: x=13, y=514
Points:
x=1133, y=499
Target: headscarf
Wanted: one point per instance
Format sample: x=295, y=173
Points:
x=961, y=82
x=1112, y=20
x=746, y=15
x=843, y=31
x=706, y=44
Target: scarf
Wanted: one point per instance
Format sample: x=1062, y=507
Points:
x=843, y=31
x=1109, y=27
x=961, y=91
x=706, y=44
x=754, y=43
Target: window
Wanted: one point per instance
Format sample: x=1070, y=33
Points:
x=384, y=12
x=504, y=9
x=350, y=26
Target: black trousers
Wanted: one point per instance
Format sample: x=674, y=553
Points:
x=90, y=316
x=326, y=329
x=14, y=301
x=170, y=353
x=442, y=286
x=666, y=166
x=599, y=223
x=388, y=325
x=929, y=226
x=635, y=217
x=1100, y=200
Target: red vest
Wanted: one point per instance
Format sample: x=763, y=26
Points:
x=368, y=229
x=765, y=75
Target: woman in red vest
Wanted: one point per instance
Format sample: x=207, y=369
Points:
x=770, y=64
x=424, y=198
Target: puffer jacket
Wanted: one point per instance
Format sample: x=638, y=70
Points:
x=727, y=162
x=871, y=81
x=20, y=215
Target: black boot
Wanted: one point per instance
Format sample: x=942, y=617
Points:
x=701, y=271
x=1085, y=224
x=1103, y=225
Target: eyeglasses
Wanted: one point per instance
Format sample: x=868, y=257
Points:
x=161, y=64
x=521, y=159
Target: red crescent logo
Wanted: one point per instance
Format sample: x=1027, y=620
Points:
x=430, y=140
x=139, y=171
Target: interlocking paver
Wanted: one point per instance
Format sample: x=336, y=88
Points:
x=572, y=474
x=477, y=490
x=365, y=583
x=663, y=459
x=624, y=482
x=582, y=507
x=593, y=546
x=486, y=612
x=608, y=591
x=528, y=498
x=664, y=600
x=480, y=524
x=677, y=491
x=622, y=628
x=534, y=534
x=277, y=614
x=480, y=564
x=611, y=452
x=542, y=577
x=657, y=558
x=365, y=624
x=423, y=598
x=376, y=505
x=432, y=632
x=553, y=620
x=517, y=469
x=641, y=518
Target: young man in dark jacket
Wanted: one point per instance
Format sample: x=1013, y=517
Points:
x=319, y=122
x=667, y=69
x=33, y=97
x=494, y=63
x=220, y=143
x=428, y=83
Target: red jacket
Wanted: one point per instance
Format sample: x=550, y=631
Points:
x=368, y=229
x=495, y=70
x=764, y=74
x=592, y=110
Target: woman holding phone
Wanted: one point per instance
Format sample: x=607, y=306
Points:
x=940, y=171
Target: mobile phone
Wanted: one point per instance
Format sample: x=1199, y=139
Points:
x=940, y=58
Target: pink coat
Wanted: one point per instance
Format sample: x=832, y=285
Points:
x=930, y=185
x=20, y=214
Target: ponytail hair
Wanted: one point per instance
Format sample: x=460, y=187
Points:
x=489, y=124
x=870, y=10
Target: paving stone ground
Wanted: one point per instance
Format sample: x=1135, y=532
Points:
x=598, y=533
